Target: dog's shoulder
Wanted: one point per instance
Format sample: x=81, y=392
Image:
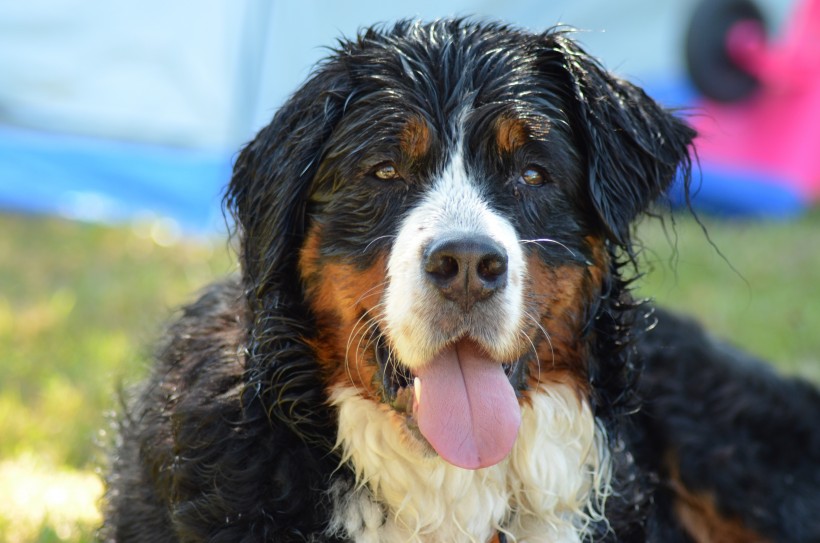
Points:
x=203, y=348
x=195, y=419
x=735, y=442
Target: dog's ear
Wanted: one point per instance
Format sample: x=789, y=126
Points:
x=633, y=146
x=267, y=195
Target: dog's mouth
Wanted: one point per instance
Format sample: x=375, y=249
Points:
x=462, y=403
x=397, y=383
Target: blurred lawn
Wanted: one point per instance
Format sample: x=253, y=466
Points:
x=760, y=288
x=81, y=304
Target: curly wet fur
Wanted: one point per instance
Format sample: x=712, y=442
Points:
x=236, y=436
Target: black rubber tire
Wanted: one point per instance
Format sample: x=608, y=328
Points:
x=710, y=68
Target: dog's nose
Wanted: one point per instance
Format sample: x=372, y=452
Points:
x=466, y=269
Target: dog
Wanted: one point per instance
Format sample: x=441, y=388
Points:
x=432, y=337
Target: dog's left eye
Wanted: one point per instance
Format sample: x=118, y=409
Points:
x=533, y=176
x=386, y=171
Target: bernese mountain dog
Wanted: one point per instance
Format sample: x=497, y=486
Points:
x=432, y=337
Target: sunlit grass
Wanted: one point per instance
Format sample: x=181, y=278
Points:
x=43, y=503
x=80, y=308
x=81, y=305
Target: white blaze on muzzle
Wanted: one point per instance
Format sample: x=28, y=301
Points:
x=466, y=408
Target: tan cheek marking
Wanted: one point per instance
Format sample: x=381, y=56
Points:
x=559, y=297
x=309, y=254
x=345, y=302
x=600, y=260
x=555, y=302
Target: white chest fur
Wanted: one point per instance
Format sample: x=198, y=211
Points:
x=548, y=489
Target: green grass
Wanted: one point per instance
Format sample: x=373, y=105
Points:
x=80, y=306
x=758, y=286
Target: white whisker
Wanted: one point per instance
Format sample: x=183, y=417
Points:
x=361, y=329
x=546, y=336
x=366, y=333
x=377, y=239
x=369, y=292
x=535, y=353
x=548, y=240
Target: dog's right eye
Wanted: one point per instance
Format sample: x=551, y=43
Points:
x=533, y=176
x=386, y=171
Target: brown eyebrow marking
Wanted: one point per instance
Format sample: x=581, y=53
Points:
x=512, y=133
x=415, y=137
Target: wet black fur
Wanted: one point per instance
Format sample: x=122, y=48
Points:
x=231, y=438
x=738, y=431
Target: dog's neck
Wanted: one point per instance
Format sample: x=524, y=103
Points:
x=548, y=489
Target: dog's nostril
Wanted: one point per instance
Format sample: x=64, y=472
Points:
x=442, y=265
x=492, y=266
x=466, y=269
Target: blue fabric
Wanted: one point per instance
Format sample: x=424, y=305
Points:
x=733, y=192
x=110, y=181
x=104, y=180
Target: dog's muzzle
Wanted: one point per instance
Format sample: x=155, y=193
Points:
x=466, y=269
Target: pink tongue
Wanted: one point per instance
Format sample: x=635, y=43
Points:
x=468, y=410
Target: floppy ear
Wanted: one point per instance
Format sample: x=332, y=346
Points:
x=268, y=198
x=268, y=192
x=633, y=146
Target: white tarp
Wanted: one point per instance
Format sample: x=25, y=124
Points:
x=147, y=70
x=207, y=73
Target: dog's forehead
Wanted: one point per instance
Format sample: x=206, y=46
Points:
x=443, y=58
x=416, y=99
x=423, y=104
x=443, y=76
